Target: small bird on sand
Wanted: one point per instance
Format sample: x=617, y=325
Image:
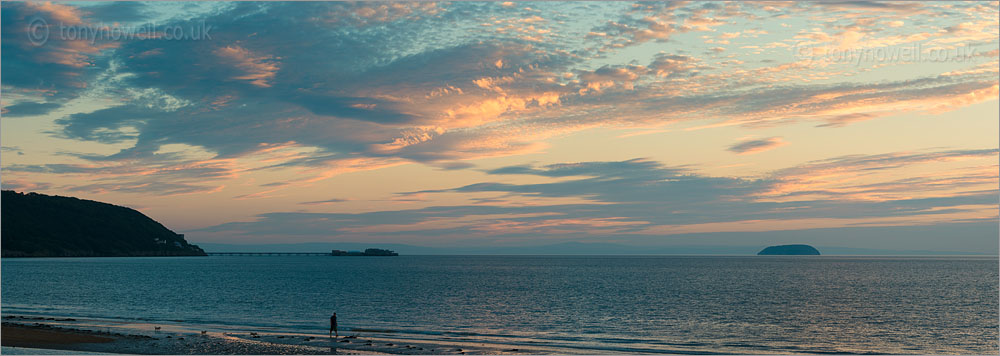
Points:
x=156, y=328
x=203, y=332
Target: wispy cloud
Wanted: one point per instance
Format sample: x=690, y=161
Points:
x=323, y=202
x=644, y=197
x=757, y=145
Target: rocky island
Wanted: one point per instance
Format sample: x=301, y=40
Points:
x=789, y=250
x=39, y=225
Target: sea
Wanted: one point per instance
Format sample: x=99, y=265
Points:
x=593, y=304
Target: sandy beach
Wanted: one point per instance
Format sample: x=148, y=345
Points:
x=81, y=336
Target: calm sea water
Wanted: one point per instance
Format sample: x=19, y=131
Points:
x=631, y=304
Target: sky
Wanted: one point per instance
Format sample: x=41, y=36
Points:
x=854, y=124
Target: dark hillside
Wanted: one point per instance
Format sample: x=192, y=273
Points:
x=38, y=225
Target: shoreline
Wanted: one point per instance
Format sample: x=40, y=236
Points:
x=81, y=335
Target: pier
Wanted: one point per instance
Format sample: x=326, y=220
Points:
x=366, y=252
x=268, y=253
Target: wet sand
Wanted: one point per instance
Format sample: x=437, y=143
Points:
x=11, y=350
x=44, y=336
x=73, y=335
x=20, y=336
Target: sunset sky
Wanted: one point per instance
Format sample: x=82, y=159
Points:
x=862, y=124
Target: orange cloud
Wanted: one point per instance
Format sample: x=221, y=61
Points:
x=259, y=69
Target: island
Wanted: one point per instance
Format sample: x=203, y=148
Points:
x=39, y=225
x=789, y=250
x=368, y=252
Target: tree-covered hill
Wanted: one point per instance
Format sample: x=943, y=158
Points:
x=38, y=225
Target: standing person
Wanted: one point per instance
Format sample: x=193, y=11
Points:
x=333, y=326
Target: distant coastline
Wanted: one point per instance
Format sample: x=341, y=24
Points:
x=568, y=249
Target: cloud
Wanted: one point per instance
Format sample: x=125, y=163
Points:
x=595, y=169
x=29, y=109
x=373, y=13
x=354, y=86
x=756, y=146
x=117, y=12
x=14, y=149
x=37, y=61
x=323, y=202
x=641, y=197
x=274, y=184
x=161, y=174
x=25, y=186
x=898, y=7
x=452, y=166
x=658, y=22
x=259, y=70
x=877, y=177
x=884, y=161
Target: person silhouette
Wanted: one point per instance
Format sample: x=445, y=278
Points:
x=333, y=326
